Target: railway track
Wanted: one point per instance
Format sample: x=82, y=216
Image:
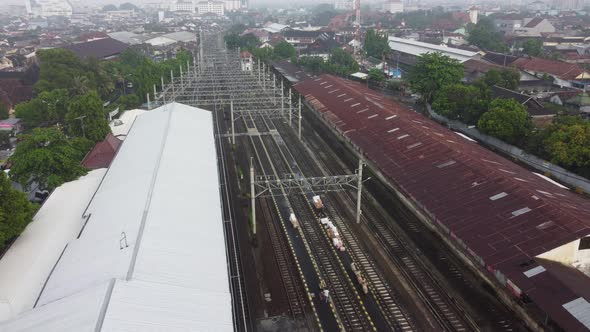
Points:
x=448, y=312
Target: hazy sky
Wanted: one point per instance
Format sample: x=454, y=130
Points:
x=104, y=2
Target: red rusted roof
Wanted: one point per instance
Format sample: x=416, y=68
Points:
x=563, y=70
x=503, y=214
x=103, y=153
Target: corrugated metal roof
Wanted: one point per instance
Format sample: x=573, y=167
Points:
x=155, y=227
x=417, y=48
x=502, y=212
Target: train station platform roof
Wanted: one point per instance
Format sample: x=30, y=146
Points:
x=151, y=252
x=503, y=215
x=417, y=48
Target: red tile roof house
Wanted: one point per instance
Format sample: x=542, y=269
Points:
x=103, y=153
x=564, y=74
x=523, y=233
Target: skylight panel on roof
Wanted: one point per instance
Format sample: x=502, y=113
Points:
x=333, y=91
x=392, y=130
x=328, y=86
x=322, y=83
x=391, y=117
x=519, y=179
x=580, y=309
x=491, y=161
x=466, y=137
x=403, y=136
x=550, y=180
x=342, y=95
x=520, y=212
x=372, y=116
x=498, y=196
x=347, y=100
x=505, y=171
x=545, y=225
x=545, y=193
x=447, y=163
x=355, y=105
x=415, y=145
x=534, y=271
x=420, y=122
x=362, y=111
x=451, y=141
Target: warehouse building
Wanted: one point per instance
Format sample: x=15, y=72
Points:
x=144, y=248
x=524, y=230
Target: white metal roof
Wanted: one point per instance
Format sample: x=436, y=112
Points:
x=155, y=226
x=26, y=265
x=125, y=121
x=181, y=36
x=417, y=48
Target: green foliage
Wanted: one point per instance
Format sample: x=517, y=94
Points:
x=395, y=85
x=49, y=107
x=109, y=8
x=566, y=142
x=432, y=72
x=376, y=75
x=128, y=6
x=484, y=35
x=284, y=50
x=340, y=63
x=46, y=157
x=3, y=111
x=264, y=54
x=58, y=67
x=421, y=19
x=507, y=120
x=16, y=212
x=376, y=45
x=532, y=47
x=94, y=125
x=237, y=29
x=465, y=103
x=506, y=78
x=247, y=41
x=128, y=102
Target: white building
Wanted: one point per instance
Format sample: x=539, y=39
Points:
x=139, y=247
x=344, y=4
x=47, y=8
x=416, y=48
x=232, y=5
x=212, y=7
x=393, y=6
x=182, y=6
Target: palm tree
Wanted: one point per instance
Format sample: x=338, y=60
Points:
x=79, y=85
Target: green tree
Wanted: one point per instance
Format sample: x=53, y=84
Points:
x=506, y=78
x=376, y=45
x=45, y=157
x=376, y=75
x=86, y=117
x=484, y=35
x=16, y=212
x=284, y=50
x=128, y=102
x=566, y=142
x=48, y=108
x=128, y=6
x=109, y=8
x=432, y=72
x=465, y=103
x=532, y=47
x=57, y=69
x=3, y=111
x=344, y=60
x=507, y=120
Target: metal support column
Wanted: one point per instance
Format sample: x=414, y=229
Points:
x=148, y=100
x=258, y=62
x=155, y=93
x=162, y=81
x=359, y=191
x=282, y=101
x=299, y=118
x=274, y=88
x=290, y=107
x=181, y=78
x=263, y=76
x=233, y=133
x=253, y=196
x=172, y=83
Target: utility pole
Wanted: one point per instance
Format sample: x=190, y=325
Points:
x=155, y=93
x=148, y=100
x=253, y=196
x=172, y=83
x=233, y=133
x=359, y=191
x=81, y=118
x=299, y=131
x=290, y=107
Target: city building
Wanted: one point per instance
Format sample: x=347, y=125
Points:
x=46, y=8
x=128, y=248
x=211, y=7
x=182, y=6
x=473, y=13
x=344, y=4
x=246, y=60
x=232, y=5
x=101, y=49
x=393, y=6
x=416, y=48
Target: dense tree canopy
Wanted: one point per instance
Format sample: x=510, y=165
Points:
x=532, y=47
x=340, y=63
x=46, y=157
x=284, y=50
x=507, y=120
x=376, y=75
x=376, y=45
x=47, y=109
x=506, y=78
x=432, y=72
x=484, y=35
x=86, y=117
x=16, y=212
x=108, y=8
x=461, y=102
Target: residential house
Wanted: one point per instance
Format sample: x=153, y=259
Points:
x=563, y=74
x=538, y=113
x=533, y=27
x=300, y=39
x=101, y=49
